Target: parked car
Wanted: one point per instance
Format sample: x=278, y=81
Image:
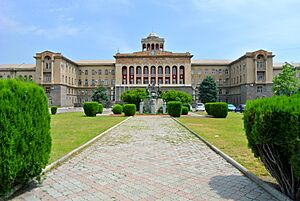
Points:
x=240, y=108
x=231, y=107
x=200, y=107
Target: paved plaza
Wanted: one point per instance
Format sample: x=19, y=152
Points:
x=146, y=158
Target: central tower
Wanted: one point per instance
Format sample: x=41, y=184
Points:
x=153, y=42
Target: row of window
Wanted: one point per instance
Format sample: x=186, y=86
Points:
x=213, y=71
x=94, y=82
x=29, y=77
x=95, y=72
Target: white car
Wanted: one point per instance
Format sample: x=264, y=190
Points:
x=200, y=107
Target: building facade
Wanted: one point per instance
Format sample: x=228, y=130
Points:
x=68, y=82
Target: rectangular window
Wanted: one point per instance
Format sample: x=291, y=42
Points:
x=86, y=82
x=112, y=72
x=93, y=72
x=106, y=72
x=86, y=72
x=106, y=82
x=199, y=71
x=260, y=76
x=79, y=82
x=206, y=71
x=93, y=82
x=99, y=72
x=259, y=89
x=193, y=72
x=113, y=82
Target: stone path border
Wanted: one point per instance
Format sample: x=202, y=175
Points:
x=241, y=168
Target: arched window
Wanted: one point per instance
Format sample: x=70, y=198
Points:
x=146, y=70
x=167, y=70
x=152, y=46
x=174, y=77
x=124, y=75
x=157, y=46
x=153, y=70
x=160, y=70
x=138, y=70
x=148, y=46
x=131, y=75
x=47, y=61
x=181, y=75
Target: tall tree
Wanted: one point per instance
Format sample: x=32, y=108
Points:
x=208, y=90
x=286, y=82
x=100, y=95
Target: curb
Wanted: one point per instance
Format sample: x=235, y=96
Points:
x=64, y=158
x=274, y=192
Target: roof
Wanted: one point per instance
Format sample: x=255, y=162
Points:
x=152, y=34
x=17, y=66
x=95, y=62
x=280, y=64
x=211, y=62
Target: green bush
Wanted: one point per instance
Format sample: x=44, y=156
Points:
x=129, y=109
x=208, y=108
x=217, y=109
x=100, y=111
x=117, y=109
x=272, y=127
x=25, y=138
x=53, y=110
x=91, y=108
x=174, y=108
x=184, y=110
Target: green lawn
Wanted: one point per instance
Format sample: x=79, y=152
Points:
x=72, y=129
x=229, y=136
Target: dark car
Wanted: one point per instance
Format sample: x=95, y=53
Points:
x=240, y=108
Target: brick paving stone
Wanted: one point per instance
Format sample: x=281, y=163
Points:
x=147, y=158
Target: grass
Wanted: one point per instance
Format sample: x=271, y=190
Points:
x=228, y=135
x=71, y=129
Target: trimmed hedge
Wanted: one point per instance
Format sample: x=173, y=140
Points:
x=184, y=110
x=100, y=111
x=25, y=138
x=129, y=109
x=117, y=109
x=54, y=109
x=91, y=108
x=217, y=109
x=174, y=108
x=272, y=127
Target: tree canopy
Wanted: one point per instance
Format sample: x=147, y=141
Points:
x=100, y=95
x=173, y=95
x=134, y=96
x=208, y=90
x=286, y=83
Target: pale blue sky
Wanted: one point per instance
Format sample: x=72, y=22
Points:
x=95, y=29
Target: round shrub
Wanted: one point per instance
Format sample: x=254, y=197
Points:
x=25, y=132
x=272, y=128
x=91, y=108
x=184, y=110
x=129, y=109
x=100, y=111
x=117, y=109
x=174, y=108
x=53, y=110
x=217, y=109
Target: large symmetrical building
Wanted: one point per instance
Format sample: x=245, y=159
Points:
x=69, y=83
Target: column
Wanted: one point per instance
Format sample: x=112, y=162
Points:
x=178, y=74
x=171, y=74
x=134, y=74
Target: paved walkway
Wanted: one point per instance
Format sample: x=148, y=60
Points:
x=147, y=158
